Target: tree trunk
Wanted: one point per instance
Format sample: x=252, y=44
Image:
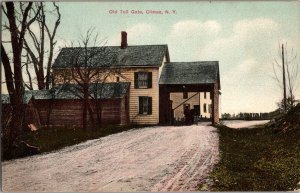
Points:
x=48, y=75
x=15, y=83
x=99, y=112
x=85, y=106
x=284, y=85
x=91, y=115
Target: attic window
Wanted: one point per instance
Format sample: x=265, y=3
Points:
x=143, y=79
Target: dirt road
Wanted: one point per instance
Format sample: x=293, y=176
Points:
x=238, y=124
x=150, y=159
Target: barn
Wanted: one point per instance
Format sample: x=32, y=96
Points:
x=62, y=105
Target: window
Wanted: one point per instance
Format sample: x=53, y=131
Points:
x=143, y=80
x=205, y=95
x=185, y=95
x=145, y=105
x=204, y=108
x=118, y=79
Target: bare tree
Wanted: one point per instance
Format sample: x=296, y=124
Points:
x=27, y=63
x=286, y=74
x=42, y=42
x=13, y=77
x=99, y=86
x=90, y=78
x=82, y=71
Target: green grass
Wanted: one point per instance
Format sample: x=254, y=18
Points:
x=257, y=160
x=53, y=139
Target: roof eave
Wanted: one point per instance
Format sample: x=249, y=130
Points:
x=210, y=83
x=129, y=66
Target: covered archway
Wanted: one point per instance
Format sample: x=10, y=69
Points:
x=179, y=77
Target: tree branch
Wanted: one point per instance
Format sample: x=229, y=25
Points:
x=7, y=71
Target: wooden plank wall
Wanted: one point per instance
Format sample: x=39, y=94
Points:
x=69, y=112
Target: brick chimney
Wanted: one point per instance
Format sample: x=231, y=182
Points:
x=124, y=40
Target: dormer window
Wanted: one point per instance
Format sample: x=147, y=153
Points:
x=143, y=79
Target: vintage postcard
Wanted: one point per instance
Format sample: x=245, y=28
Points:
x=138, y=96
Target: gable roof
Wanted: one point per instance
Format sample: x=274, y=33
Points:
x=203, y=72
x=109, y=56
x=72, y=91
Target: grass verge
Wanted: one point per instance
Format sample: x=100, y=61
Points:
x=56, y=138
x=257, y=160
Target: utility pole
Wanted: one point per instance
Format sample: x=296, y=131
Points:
x=284, y=86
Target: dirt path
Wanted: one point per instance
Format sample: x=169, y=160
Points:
x=149, y=159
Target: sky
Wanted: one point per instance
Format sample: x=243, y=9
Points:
x=243, y=36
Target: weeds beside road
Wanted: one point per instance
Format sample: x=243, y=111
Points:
x=257, y=159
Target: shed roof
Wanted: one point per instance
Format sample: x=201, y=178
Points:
x=103, y=91
x=108, y=56
x=72, y=91
x=26, y=98
x=203, y=72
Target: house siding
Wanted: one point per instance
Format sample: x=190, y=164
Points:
x=135, y=93
x=127, y=75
